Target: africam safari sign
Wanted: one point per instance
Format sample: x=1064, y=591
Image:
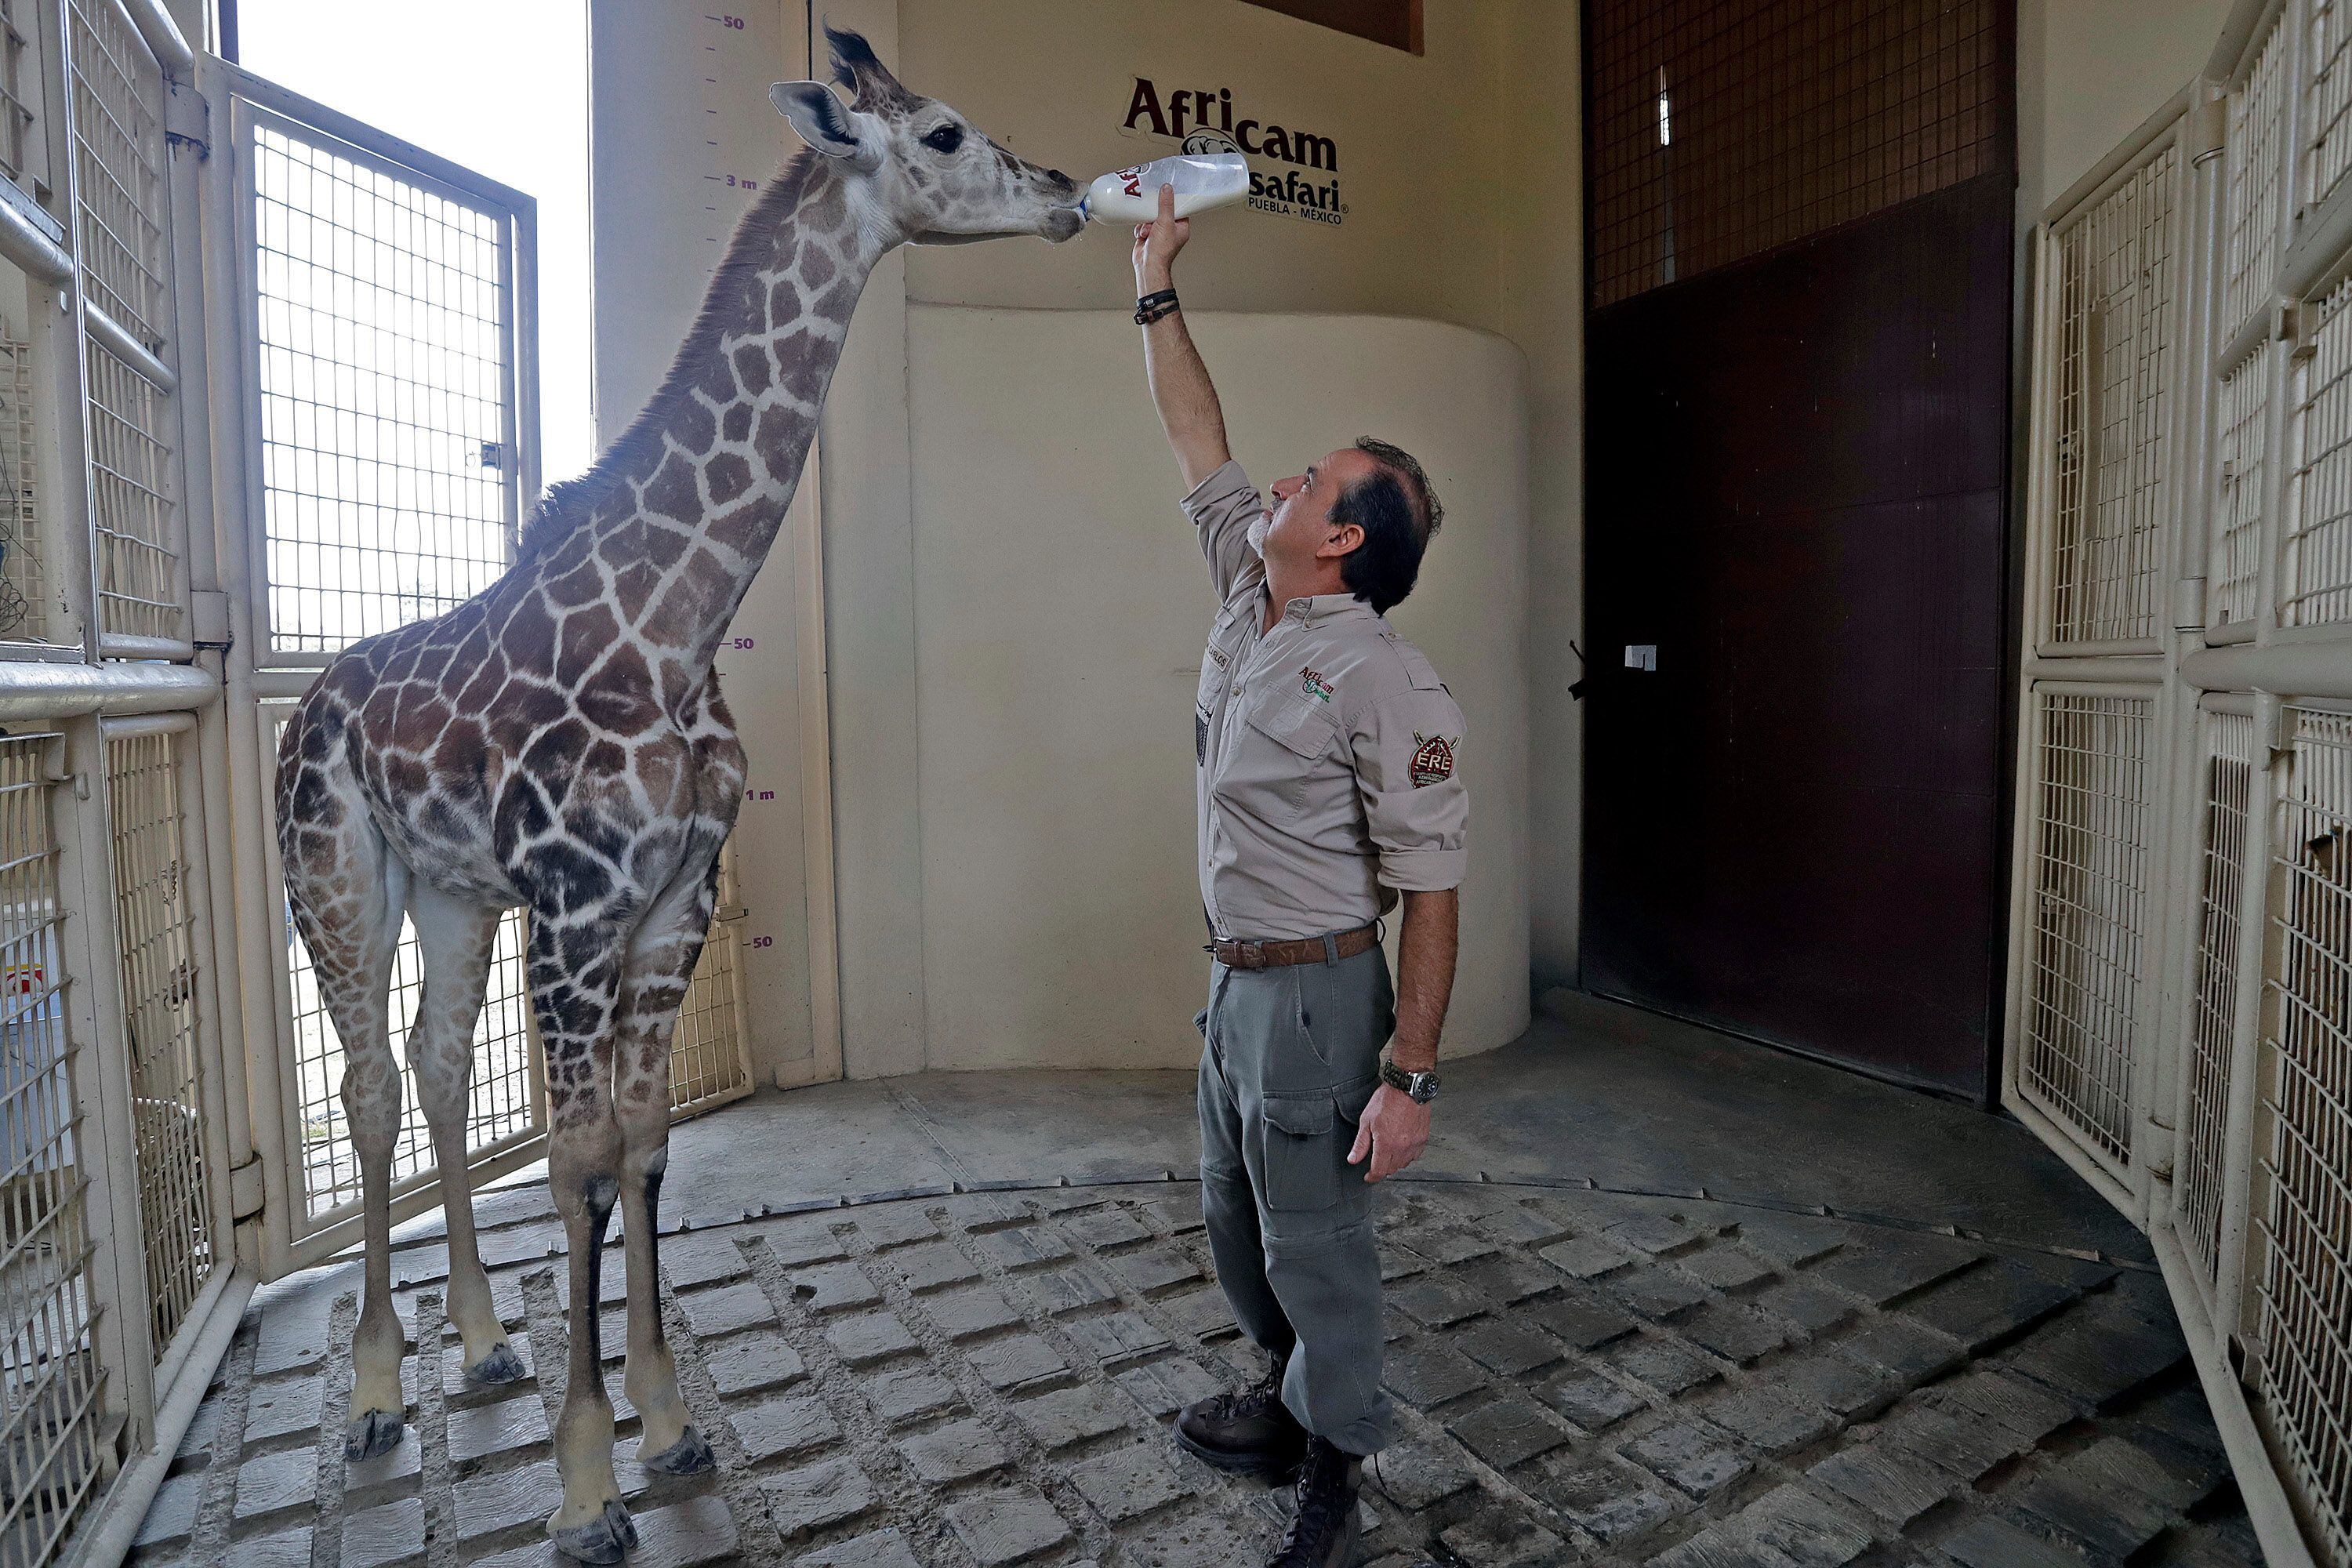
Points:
x=1205, y=122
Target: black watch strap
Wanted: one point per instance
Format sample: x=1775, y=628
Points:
x=1154, y=306
x=1419, y=1087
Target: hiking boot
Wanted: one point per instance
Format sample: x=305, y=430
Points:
x=1324, y=1523
x=1250, y=1432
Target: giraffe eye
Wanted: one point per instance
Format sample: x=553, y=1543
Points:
x=946, y=139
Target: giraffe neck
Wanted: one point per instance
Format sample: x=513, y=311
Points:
x=707, y=471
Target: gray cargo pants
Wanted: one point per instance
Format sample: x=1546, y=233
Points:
x=1291, y=1056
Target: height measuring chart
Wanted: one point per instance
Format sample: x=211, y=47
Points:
x=685, y=140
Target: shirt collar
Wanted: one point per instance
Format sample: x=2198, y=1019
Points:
x=1320, y=607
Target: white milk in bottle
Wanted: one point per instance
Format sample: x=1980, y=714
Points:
x=1203, y=180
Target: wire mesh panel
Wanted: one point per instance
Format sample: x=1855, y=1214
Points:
x=2328, y=98
x=2241, y=463
x=118, y=161
x=2114, y=340
x=16, y=92
x=130, y=500
x=2315, y=580
x=2303, y=1339
x=1724, y=128
x=386, y=329
x=23, y=612
x=154, y=927
x=2200, y=1167
x=53, y=1452
x=2089, y=870
x=708, y=1061
x=502, y=1105
x=2251, y=183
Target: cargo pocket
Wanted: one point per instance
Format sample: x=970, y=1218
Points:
x=1301, y=1160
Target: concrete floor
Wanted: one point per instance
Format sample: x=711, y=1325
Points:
x=1625, y=1099
x=1657, y=1297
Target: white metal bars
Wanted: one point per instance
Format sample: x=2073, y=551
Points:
x=2227, y=776
x=2111, y=406
x=2301, y=1343
x=2224, y=1122
x=385, y=374
x=53, y=1447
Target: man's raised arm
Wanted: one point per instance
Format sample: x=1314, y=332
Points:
x=1180, y=388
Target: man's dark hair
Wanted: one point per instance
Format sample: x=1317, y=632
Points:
x=1398, y=512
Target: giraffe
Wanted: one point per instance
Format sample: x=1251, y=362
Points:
x=558, y=742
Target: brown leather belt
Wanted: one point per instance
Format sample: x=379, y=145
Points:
x=1235, y=954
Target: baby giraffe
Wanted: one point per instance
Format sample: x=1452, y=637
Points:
x=558, y=742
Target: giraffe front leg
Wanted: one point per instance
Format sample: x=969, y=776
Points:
x=590, y=1524
x=379, y=1409
x=660, y=967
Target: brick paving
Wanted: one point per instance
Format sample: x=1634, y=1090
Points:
x=975, y=1379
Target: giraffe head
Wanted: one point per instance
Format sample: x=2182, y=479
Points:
x=925, y=172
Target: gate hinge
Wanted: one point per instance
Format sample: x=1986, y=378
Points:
x=2189, y=605
x=244, y=1190
x=187, y=119
x=208, y=614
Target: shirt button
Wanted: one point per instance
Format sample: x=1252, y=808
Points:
x=1237, y=691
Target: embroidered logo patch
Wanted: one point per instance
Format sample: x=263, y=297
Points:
x=1315, y=686
x=1432, y=760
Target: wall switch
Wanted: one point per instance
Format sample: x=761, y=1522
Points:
x=1642, y=656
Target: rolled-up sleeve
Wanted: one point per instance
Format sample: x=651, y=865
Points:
x=1222, y=508
x=1408, y=753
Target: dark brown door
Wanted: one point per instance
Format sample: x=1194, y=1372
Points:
x=1796, y=525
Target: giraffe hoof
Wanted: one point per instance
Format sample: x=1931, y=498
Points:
x=502, y=1365
x=690, y=1456
x=369, y=1435
x=607, y=1537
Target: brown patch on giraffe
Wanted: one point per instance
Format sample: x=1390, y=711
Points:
x=728, y=473
x=693, y=592
x=633, y=589
x=784, y=303
x=743, y=529
x=738, y=423
x=484, y=689
x=620, y=698
x=694, y=427
x=522, y=708
x=781, y=430
x=815, y=265
x=462, y=752
x=665, y=545
x=825, y=213
x=528, y=640
x=587, y=633
x=839, y=302
x=671, y=492
x=752, y=368
x=583, y=585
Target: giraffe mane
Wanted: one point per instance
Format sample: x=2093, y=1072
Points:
x=569, y=503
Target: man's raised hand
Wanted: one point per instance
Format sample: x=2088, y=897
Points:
x=1157, y=243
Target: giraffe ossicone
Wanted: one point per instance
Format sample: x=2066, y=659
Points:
x=558, y=743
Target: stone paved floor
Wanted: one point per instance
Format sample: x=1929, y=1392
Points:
x=983, y=1378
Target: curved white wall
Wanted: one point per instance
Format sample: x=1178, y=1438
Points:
x=1060, y=610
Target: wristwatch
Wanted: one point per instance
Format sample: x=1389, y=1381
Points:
x=1421, y=1088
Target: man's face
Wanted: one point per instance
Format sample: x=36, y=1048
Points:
x=1301, y=529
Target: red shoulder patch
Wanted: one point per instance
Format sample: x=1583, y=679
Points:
x=1433, y=761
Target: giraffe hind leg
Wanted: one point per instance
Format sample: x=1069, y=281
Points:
x=456, y=940
x=347, y=890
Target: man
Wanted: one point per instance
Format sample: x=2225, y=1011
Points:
x=1327, y=792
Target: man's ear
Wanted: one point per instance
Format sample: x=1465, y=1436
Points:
x=1344, y=540
x=824, y=123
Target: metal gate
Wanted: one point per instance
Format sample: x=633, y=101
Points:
x=2181, y=949
x=265, y=387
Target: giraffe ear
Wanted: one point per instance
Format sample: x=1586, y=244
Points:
x=822, y=122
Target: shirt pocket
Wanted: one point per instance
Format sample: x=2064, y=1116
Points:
x=1289, y=739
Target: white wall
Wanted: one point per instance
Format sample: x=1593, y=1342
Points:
x=1061, y=606
x=2089, y=71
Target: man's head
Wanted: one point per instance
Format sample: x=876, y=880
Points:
x=1364, y=511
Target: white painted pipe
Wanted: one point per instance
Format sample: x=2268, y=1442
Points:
x=38, y=691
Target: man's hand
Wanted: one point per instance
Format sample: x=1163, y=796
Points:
x=1156, y=245
x=1394, y=1130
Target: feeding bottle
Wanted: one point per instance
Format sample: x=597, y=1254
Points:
x=1203, y=180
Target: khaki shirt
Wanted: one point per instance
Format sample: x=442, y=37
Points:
x=1326, y=747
